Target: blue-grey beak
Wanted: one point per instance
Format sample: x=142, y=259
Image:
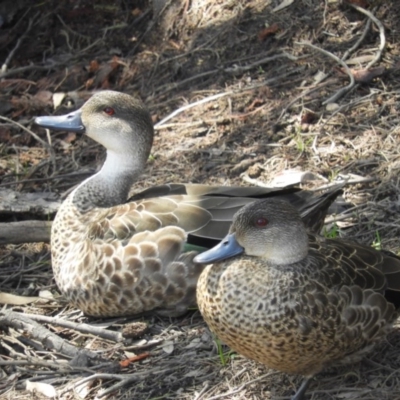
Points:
x=71, y=122
x=227, y=248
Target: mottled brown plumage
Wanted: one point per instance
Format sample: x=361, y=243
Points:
x=111, y=257
x=293, y=301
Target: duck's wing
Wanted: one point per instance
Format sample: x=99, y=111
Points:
x=204, y=212
x=124, y=221
x=222, y=202
x=348, y=263
x=146, y=272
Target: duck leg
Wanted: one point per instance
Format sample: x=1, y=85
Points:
x=299, y=395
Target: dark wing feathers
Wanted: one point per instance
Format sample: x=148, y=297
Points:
x=346, y=264
x=220, y=203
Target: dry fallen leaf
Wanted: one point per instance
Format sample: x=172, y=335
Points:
x=42, y=388
x=136, y=12
x=94, y=66
x=168, y=347
x=127, y=362
x=264, y=33
x=366, y=75
x=44, y=97
x=58, y=98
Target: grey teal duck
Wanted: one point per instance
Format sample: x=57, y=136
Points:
x=112, y=256
x=292, y=300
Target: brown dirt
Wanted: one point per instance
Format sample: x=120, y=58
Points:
x=270, y=117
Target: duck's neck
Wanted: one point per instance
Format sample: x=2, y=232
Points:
x=111, y=185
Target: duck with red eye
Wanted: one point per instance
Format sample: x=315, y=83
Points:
x=113, y=126
x=121, y=124
x=293, y=300
x=253, y=226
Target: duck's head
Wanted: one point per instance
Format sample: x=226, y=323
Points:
x=270, y=229
x=118, y=121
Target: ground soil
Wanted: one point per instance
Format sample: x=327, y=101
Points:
x=251, y=100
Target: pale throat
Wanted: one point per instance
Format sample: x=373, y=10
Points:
x=120, y=165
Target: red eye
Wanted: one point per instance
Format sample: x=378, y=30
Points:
x=261, y=222
x=109, y=111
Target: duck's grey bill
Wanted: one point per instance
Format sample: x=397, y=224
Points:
x=227, y=248
x=71, y=122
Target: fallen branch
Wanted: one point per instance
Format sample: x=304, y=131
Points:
x=82, y=327
x=25, y=232
x=47, y=338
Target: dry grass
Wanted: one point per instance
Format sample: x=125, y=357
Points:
x=270, y=117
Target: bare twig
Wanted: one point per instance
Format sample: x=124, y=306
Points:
x=381, y=33
x=188, y=106
x=159, y=125
x=230, y=70
x=300, y=96
x=150, y=27
x=48, y=147
x=53, y=65
x=359, y=41
x=20, y=70
x=343, y=90
x=18, y=44
x=345, y=56
x=59, y=365
x=124, y=380
x=348, y=105
x=142, y=346
x=372, y=62
x=241, y=387
x=239, y=69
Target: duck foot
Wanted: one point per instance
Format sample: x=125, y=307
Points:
x=299, y=395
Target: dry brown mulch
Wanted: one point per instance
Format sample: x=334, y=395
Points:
x=263, y=112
